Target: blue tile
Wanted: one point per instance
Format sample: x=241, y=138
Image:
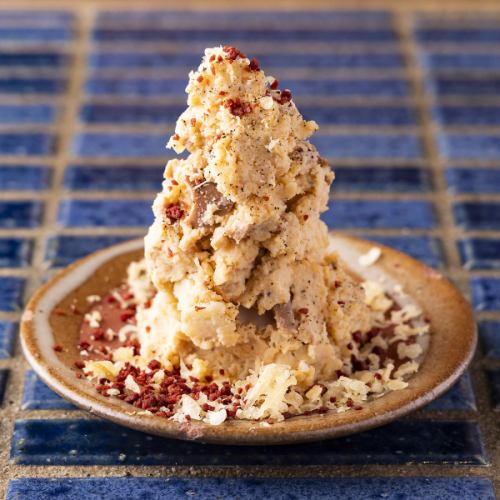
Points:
x=489, y=333
x=8, y=332
x=188, y=61
x=127, y=86
x=11, y=293
x=342, y=146
x=268, y=18
x=4, y=374
x=24, y=177
x=494, y=384
x=467, y=146
x=20, y=214
x=135, y=86
x=374, y=214
x=360, y=115
x=33, y=59
x=27, y=113
x=381, y=178
x=114, y=178
x=124, y=145
x=35, y=34
x=459, y=35
x=461, y=61
x=480, y=253
x=368, y=488
x=467, y=115
x=485, y=293
x=214, y=36
x=63, y=250
x=423, y=248
x=473, y=180
x=131, y=113
x=97, y=442
x=477, y=216
x=120, y=213
x=459, y=397
x=37, y=396
x=15, y=252
x=480, y=85
x=25, y=143
x=20, y=85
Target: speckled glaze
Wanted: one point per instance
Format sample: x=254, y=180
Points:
x=452, y=343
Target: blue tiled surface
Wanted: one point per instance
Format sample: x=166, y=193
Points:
x=120, y=145
x=459, y=397
x=26, y=113
x=20, y=85
x=102, y=443
x=8, y=331
x=372, y=146
x=413, y=214
x=120, y=213
x=138, y=488
x=494, y=383
x=470, y=147
x=3, y=383
x=33, y=59
x=62, y=250
x=467, y=115
x=473, y=180
x=15, y=252
x=423, y=248
x=26, y=143
x=11, y=293
x=482, y=85
x=114, y=178
x=380, y=178
x=485, y=293
x=489, y=333
x=480, y=253
x=16, y=214
x=24, y=177
x=37, y=396
x=477, y=216
x=134, y=90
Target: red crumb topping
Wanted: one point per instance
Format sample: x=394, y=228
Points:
x=57, y=348
x=254, y=65
x=237, y=107
x=283, y=97
x=303, y=310
x=275, y=84
x=232, y=53
x=174, y=212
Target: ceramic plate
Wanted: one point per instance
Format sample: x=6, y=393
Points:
x=450, y=347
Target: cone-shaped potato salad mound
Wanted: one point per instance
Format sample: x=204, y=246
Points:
x=239, y=309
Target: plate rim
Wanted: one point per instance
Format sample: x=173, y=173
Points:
x=295, y=430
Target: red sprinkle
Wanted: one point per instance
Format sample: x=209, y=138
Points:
x=57, y=348
x=237, y=107
x=254, y=65
x=232, y=53
x=275, y=84
x=284, y=97
x=174, y=212
x=303, y=310
x=80, y=364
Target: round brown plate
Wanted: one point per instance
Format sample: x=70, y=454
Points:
x=451, y=345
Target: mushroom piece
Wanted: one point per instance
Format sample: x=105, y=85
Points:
x=205, y=194
x=283, y=314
